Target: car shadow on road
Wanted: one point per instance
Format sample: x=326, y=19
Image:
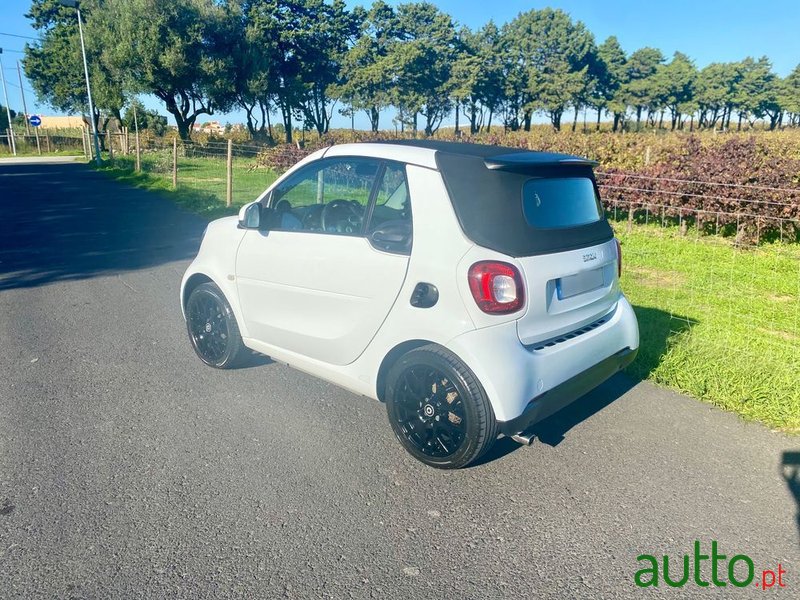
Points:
x=791, y=473
x=254, y=359
x=657, y=330
x=66, y=222
x=552, y=430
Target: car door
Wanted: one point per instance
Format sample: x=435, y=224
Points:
x=315, y=283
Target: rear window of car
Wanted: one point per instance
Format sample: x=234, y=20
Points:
x=556, y=202
x=488, y=204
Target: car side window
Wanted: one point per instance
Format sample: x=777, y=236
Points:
x=389, y=226
x=329, y=196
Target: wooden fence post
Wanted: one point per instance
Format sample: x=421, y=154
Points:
x=229, y=188
x=174, y=163
x=83, y=143
x=47, y=141
x=38, y=145
x=136, y=129
x=138, y=153
x=110, y=140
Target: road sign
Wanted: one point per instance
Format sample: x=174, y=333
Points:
x=35, y=120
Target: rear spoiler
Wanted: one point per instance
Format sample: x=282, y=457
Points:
x=524, y=160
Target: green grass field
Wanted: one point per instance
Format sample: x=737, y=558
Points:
x=717, y=322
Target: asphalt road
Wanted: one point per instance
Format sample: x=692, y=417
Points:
x=130, y=470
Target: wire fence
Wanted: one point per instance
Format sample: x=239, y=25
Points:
x=216, y=174
x=753, y=253
x=717, y=264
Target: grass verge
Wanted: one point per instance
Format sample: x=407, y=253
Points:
x=43, y=154
x=718, y=322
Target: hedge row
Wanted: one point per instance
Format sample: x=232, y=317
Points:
x=744, y=185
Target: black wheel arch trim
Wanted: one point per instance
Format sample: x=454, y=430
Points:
x=392, y=357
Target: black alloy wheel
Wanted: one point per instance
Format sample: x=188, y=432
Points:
x=212, y=327
x=437, y=408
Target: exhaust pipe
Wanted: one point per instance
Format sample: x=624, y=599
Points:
x=526, y=439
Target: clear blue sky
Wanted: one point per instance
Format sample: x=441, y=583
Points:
x=708, y=31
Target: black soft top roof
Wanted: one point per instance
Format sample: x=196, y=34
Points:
x=485, y=185
x=497, y=157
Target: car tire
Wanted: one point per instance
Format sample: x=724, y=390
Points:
x=438, y=409
x=213, y=331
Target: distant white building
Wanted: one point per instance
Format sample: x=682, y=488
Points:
x=209, y=127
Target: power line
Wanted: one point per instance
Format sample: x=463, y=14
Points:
x=16, y=86
x=17, y=51
x=24, y=37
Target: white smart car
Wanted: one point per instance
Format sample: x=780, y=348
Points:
x=474, y=289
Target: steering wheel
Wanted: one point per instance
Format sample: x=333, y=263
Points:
x=351, y=221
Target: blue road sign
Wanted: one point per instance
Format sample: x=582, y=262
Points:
x=35, y=120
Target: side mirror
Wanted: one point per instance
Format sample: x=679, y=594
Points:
x=250, y=216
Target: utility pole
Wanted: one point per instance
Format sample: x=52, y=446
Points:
x=74, y=4
x=8, y=110
x=24, y=105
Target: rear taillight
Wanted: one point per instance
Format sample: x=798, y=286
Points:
x=619, y=258
x=497, y=287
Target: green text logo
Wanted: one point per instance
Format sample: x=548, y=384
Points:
x=739, y=570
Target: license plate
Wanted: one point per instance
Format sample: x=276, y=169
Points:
x=580, y=283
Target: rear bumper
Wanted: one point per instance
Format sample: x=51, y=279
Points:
x=555, y=399
x=515, y=376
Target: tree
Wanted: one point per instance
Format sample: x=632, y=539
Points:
x=554, y=54
x=146, y=118
x=490, y=89
x=54, y=65
x=477, y=76
x=365, y=80
x=640, y=89
x=4, y=117
x=301, y=44
x=714, y=93
x=612, y=75
x=270, y=73
x=790, y=97
x=181, y=51
x=758, y=92
x=676, y=83
x=320, y=38
x=255, y=55
x=465, y=74
x=420, y=61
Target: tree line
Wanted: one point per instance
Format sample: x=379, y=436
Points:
x=299, y=60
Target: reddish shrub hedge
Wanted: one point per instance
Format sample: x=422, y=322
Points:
x=737, y=186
